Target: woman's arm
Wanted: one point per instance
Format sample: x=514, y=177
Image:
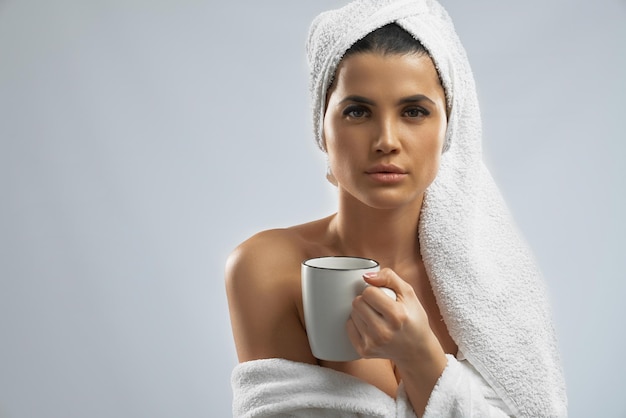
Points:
x=262, y=287
x=398, y=330
x=434, y=384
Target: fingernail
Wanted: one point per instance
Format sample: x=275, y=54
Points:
x=370, y=275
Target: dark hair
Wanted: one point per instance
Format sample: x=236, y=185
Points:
x=386, y=40
x=389, y=39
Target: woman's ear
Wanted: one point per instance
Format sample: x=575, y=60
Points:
x=329, y=174
x=330, y=177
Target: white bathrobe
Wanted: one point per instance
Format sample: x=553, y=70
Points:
x=283, y=388
x=488, y=288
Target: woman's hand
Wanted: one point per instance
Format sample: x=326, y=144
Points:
x=385, y=328
x=398, y=330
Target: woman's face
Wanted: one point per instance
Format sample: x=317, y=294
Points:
x=384, y=127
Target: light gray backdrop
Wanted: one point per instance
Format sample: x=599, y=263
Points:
x=140, y=141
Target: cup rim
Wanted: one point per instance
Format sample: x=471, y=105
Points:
x=374, y=265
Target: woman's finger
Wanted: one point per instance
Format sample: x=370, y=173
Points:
x=353, y=334
x=373, y=328
x=389, y=279
x=379, y=301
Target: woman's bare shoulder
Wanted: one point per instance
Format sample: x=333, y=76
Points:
x=270, y=249
x=276, y=249
x=263, y=289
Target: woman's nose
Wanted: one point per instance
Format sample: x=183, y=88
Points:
x=387, y=141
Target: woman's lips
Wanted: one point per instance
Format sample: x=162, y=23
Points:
x=387, y=177
x=386, y=173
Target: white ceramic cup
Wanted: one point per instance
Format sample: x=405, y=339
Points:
x=329, y=285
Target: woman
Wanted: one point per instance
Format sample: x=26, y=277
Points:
x=395, y=109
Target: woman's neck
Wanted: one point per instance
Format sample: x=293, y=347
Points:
x=389, y=236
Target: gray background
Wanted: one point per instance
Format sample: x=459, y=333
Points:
x=140, y=141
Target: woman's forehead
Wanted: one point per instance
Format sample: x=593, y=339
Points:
x=373, y=71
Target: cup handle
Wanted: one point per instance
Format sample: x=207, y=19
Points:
x=389, y=293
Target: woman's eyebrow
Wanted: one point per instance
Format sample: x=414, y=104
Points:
x=358, y=99
x=411, y=99
x=416, y=98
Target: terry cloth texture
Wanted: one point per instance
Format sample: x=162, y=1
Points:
x=283, y=388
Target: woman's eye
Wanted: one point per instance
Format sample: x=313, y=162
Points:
x=355, y=112
x=415, y=112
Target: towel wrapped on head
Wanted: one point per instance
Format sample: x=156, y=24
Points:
x=333, y=32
